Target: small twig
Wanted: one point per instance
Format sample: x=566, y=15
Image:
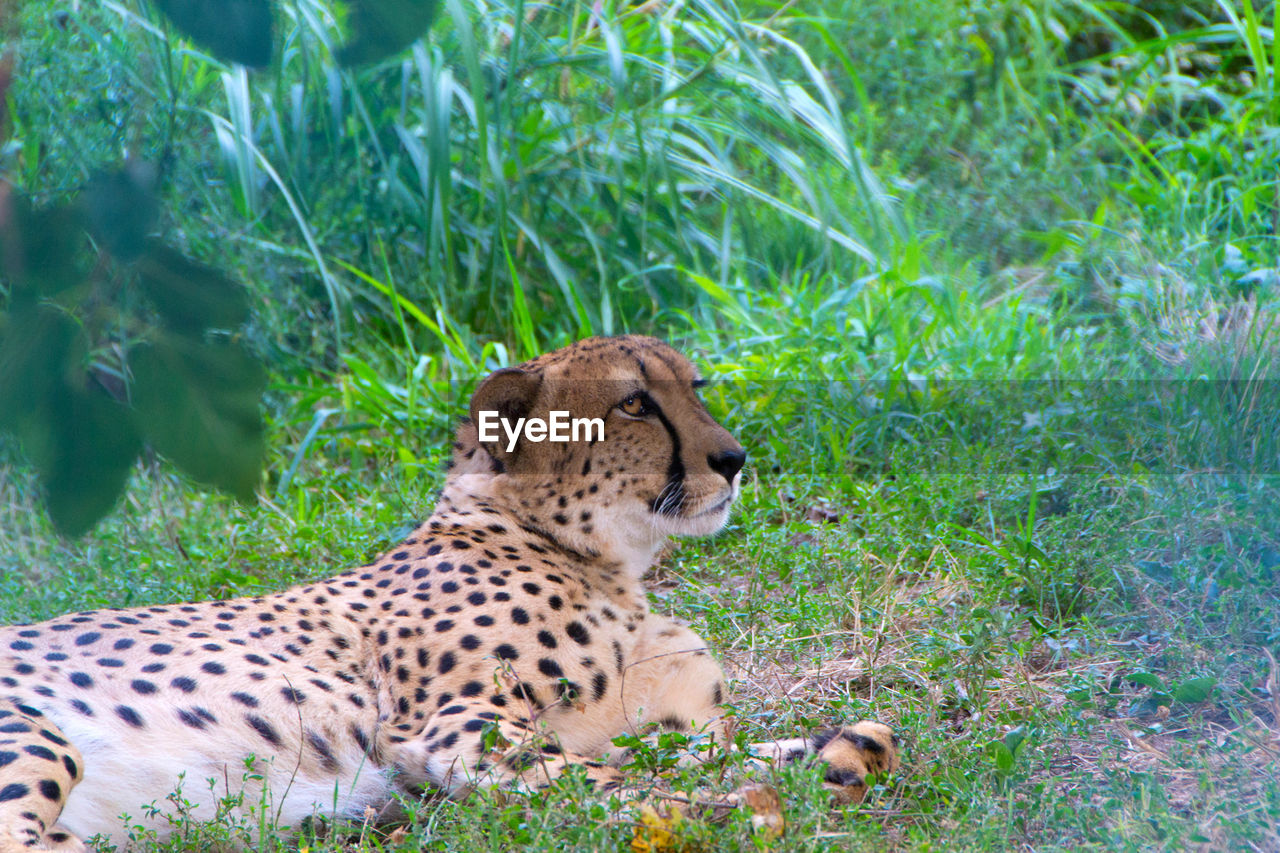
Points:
x=302, y=739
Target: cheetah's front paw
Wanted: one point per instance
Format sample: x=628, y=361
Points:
x=851, y=752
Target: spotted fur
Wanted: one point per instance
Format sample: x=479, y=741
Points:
x=505, y=639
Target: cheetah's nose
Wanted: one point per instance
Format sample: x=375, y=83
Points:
x=727, y=463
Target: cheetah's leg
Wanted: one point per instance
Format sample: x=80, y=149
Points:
x=850, y=753
x=38, y=768
x=469, y=747
x=676, y=681
x=670, y=679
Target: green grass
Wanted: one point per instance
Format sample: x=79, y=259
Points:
x=1010, y=403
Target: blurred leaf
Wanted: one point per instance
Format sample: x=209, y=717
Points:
x=199, y=406
x=1146, y=679
x=1003, y=757
x=39, y=248
x=120, y=210
x=1195, y=690
x=382, y=28
x=1014, y=738
x=189, y=295
x=94, y=443
x=34, y=349
x=1155, y=570
x=235, y=30
x=82, y=442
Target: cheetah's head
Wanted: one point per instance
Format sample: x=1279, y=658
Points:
x=663, y=467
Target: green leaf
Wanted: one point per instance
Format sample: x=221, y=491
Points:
x=1195, y=690
x=40, y=249
x=1155, y=570
x=235, y=30
x=199, y=406
x=1014, y=738
x=382, y=28
x=35, y=348
x=1146, y=679
x=1003, y=757
x=94, y=443
x=120, y=210
x=189, y=295
x=81, y=442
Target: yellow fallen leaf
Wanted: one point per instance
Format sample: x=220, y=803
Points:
x=656, y=832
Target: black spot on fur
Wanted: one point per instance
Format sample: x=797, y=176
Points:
x=863, y=742
x=129, y=715
x=550, y=668
x=321, y=746
x=361, y=739
x=13, y=791
x=823, y=738
x=52, y=738
x=190, y=719
x=842, y=777
x=672, y=723
x=263, y=728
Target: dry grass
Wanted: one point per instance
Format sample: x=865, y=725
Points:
x=1212, y=761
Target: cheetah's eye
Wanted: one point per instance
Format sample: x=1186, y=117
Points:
x=636, y=406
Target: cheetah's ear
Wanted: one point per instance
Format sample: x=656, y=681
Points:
x=511, y=393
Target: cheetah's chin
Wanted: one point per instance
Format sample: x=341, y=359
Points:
x=717, y=508
x=704, y=522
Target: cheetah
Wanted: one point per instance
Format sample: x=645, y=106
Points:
x=506, y=639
